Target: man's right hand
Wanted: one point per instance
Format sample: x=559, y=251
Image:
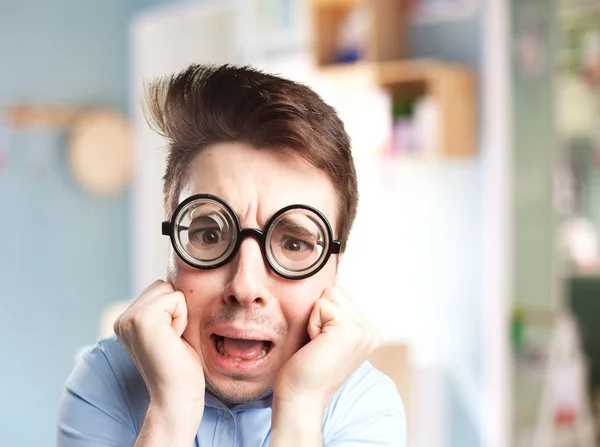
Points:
x=150, y=330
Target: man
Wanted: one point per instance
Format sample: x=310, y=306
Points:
x=249, y=342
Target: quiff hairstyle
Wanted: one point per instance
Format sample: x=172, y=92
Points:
x=205, y=104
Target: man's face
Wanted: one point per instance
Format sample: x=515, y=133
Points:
x=234, y=309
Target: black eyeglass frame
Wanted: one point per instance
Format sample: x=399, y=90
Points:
x=169, y=229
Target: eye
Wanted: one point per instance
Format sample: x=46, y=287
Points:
x=294, y=244
x=211, y=236
x=205, y=231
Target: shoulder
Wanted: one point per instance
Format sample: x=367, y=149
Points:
x=107, y=357
x=103, y=400
x=367, y=406
x=106, y=373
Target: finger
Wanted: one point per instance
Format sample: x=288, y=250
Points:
x=158, y=287
x=342, y=298
x=338, y=296
x=179, y=314
x=325, y=312
x=159, y=311
x=154, y=290
x=167, y=308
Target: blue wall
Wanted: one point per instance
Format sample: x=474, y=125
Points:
x=63, y=253
x=460, y=41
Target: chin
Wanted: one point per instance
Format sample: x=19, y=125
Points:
x=235, y=391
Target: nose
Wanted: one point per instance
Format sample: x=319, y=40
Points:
x=249, y=274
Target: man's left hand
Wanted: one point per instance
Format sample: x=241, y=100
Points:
x=341, y=340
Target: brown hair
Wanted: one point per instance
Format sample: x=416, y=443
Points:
x=204, y=105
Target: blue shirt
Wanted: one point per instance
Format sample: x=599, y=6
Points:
x=105, y=400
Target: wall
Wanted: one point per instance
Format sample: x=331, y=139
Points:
x=63, y=253
x=427, y=289
x=460, y=41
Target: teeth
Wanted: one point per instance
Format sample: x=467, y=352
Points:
x=265, y=349
x=221, y=351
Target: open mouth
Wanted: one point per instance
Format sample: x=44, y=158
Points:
x=240, y=349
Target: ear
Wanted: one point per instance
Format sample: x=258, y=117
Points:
x=337, y=264
x=172, y=267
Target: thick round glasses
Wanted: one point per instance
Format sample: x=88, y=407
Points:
x=296, y=242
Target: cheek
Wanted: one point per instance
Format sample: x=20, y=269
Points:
x=202, y=291
x=202, y=299
x=300, y=298
x=298, y=312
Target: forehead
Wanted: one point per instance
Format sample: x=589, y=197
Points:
x=259, y=182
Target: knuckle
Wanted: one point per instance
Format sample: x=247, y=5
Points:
x=121, y=324
x=165, y=286
x=124, y=325
x=159, y=286
x=155, y=285
x=320, y=304
x=137, y=320
x=178, y=294
x=131, y=321
x=117, y=325
x=329, y=292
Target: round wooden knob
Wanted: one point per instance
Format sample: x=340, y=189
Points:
x=101, y=152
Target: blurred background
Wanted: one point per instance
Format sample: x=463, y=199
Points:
x=476, y=132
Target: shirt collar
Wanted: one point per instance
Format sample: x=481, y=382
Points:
x=210, y=400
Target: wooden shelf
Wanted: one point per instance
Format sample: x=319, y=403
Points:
x=383, y=63
x=335, y=3
x=386, y=36
x=387, y=73
x=453, y=88
x=29, y=115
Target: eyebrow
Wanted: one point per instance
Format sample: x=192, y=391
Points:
x=214, y=217
x=294, y=227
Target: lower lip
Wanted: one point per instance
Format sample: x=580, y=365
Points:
x=229, y=366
